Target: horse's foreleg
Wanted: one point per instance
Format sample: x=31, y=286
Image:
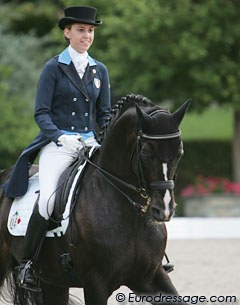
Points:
x=95, y=295
x=54, y=295
x=160, y=290
x=95, y=290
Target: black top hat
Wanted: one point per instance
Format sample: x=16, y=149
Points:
x=79, y=14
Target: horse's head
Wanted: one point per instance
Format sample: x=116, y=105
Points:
x=141, y=147
x=159, y=148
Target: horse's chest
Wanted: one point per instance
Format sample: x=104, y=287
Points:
x=151, y=245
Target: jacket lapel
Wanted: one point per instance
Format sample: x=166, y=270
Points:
x=72, y=74
x=90, y=72
x=88, y=76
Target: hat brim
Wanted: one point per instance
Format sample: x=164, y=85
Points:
x=69, y=20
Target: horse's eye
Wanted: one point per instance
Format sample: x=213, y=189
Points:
x=146, y=156
x=180, y=151
x=147, y=151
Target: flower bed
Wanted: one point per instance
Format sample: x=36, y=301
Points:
x=212, y=197
x=211, y=185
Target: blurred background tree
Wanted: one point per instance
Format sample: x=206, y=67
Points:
x=166, y=50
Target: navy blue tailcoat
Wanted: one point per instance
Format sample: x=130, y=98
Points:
x=64, y=102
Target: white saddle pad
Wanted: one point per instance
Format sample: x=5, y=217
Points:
x=22, y=207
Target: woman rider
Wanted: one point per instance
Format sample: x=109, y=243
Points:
x=73, y=89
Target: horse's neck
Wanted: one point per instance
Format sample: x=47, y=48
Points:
x=116, y=150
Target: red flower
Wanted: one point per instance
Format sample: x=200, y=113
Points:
x=210, y=185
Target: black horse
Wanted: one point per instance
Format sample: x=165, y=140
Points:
x=117, y=234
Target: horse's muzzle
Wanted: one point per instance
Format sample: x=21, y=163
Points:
x=159, y=214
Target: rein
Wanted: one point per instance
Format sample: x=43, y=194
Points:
x=109, y=177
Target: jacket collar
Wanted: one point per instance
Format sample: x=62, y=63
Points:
x=65, y=58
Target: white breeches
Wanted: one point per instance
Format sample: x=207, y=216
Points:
x=53, y=160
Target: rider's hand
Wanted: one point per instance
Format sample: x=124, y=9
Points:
x=71, y=142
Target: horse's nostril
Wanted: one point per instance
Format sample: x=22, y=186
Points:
x=160, y=215
x=157, y=214
x=156, y=210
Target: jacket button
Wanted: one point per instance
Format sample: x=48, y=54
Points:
x=72, y=128
x=86, y=114
x=86, y=128
x=87, y=100
x=74, y=99
x=73, y=113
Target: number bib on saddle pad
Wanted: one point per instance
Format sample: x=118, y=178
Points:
x=22, y=207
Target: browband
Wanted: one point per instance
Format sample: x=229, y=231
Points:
x=160, y=137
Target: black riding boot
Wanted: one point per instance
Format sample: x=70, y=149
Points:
x=28, y=271
x=168, y=267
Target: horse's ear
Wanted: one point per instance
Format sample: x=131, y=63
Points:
x=179, y=114
x=143, y=118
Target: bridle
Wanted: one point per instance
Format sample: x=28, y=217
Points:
x=144, y=188
x=159, y=184
x=144, y=137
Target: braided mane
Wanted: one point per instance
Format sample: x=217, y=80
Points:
x=120, y=107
